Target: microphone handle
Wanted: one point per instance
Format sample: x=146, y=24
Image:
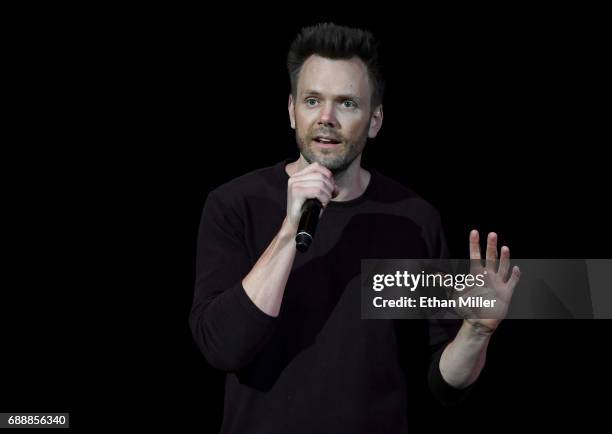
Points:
x=308, y=224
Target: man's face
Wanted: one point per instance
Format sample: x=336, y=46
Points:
x=331, y=113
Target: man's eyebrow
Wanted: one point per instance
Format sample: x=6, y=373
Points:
x=311, y=92
x=349, y=96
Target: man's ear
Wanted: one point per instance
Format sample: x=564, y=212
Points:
x=291, y=108
x=375, y=121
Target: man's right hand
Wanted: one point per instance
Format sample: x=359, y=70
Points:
x=314, y=181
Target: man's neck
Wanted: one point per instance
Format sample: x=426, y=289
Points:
x=351, y=182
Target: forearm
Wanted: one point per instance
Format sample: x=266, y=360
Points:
x=265, y=283
x=464, y=358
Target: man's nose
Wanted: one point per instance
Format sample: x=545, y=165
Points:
x=328, y=117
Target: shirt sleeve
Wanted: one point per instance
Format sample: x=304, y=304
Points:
x=227, y=326
x=441, y=333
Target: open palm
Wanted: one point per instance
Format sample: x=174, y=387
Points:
x=498, y=284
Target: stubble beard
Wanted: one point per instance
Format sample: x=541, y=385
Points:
x=336, y=159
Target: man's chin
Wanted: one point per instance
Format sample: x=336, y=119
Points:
x=324, y=157
x=335, y=165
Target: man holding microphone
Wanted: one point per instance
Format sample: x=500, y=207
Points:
x=285, y=325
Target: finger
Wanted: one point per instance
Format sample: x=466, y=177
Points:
x=313, y=181
x=491, y=254
x=315, y=193
x=514, y=278
x=323, y=196
x=504, y=263
x=314, y=177
x=315, y=167
x=474, y=245
x=313, y=173
x=310, y=190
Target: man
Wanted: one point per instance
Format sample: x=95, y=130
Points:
x=286, y=326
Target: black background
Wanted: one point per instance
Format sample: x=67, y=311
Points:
x=121, y=121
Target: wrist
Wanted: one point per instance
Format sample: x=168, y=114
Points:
x=476, y=329
x=288, y=229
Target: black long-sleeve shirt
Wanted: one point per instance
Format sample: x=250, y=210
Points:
x=317, y=367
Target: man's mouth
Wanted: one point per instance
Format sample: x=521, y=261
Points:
x=323, y=140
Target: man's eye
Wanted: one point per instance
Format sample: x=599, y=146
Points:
x=349, y=104
x=311, y=102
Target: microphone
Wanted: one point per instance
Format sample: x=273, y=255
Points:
x=308, y=224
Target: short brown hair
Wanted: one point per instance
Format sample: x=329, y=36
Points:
x=336, y=42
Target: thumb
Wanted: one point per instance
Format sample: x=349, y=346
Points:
x=335, y=192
